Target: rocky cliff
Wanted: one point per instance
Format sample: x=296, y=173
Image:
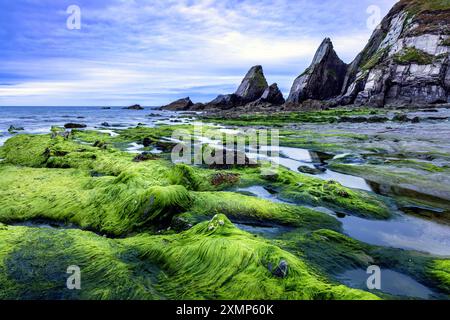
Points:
x=406, y=61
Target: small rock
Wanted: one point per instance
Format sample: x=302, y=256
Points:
x=74, y=126
x=147, y=142
x=13, y=129
x=134, y=107
x=401, y=118
x=282, y=270
x=145, y=156
x=309, y=170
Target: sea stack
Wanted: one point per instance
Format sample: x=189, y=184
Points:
x=253, y=85
x=323, y=79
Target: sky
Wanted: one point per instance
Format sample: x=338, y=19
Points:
x=152, y=52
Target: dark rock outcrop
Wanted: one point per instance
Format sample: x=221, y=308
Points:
x=225, y=102
x=134, y=107
x=273, y=95
x=253, y=86
x=13, y=129
x=179, y=105
x=323, y=79
x=74, y=126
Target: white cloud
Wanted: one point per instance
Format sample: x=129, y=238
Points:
x=157, y=49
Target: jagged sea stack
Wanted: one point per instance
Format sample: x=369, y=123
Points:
x=323, y=79
x=406, y=61
x=251, y=89
x=253, y=85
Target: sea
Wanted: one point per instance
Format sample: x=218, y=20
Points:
x=39, y=120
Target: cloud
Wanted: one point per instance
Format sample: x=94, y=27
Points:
x=152, y=51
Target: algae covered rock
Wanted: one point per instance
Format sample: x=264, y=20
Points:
x=75, y=126
x=281, y=271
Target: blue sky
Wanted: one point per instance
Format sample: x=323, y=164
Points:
x=154, y=51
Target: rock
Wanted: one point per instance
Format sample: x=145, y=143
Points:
x=437, y=118
x=253, y=85
x=147, y=142
x=222, y=178
x=415, y=120
x=100, y=144
x=165, y=146
x=105, y=124
x=134, y=107
x=198, y=107
x=106, y=108
x=74, y=126
x=377, y=119
x=406, y=60
x=273, y=95
x=251, y=90
x=353, y=119
x=145, y=156
x=323, y=79
x=281, y=271
x=401, y=118
x=225, y=102
x=179, y=105
x=230, y=159
x=13, y=129
x=348, y=158
x=309, y=170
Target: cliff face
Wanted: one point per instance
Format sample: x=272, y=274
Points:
x=406, y=60
x=323, y=79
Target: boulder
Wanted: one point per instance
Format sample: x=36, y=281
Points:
x=179, y=105
x=323, y=79
x=281, y=271
x=273, y=95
